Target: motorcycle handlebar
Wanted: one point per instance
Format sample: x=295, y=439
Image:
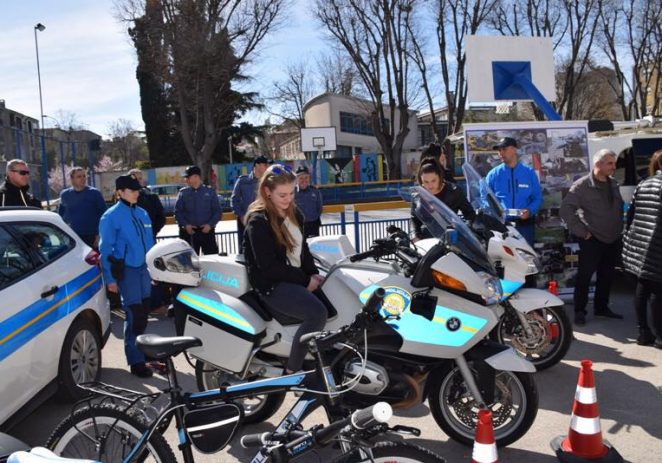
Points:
x=362, y=255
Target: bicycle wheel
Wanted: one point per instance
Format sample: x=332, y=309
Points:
x=392, y=452
x=107, y=434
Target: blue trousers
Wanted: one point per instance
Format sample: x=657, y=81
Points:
x=135, y=289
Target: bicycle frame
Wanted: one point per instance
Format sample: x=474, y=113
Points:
x=320, y=380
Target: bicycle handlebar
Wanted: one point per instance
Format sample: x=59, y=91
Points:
x=380, y=412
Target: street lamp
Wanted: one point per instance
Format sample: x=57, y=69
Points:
x=44, y=160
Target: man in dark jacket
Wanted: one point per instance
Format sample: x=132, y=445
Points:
x=309, y=201
x=151, y=202
x=197, y=212
x=244, y=192
x=593, y=212
x=14, y=190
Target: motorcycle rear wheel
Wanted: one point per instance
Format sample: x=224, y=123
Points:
x=257, y=408
x=550, y=340
x=455, y=410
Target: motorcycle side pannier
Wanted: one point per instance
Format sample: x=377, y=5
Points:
x=228, y=328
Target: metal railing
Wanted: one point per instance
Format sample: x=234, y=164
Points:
x=363, y=232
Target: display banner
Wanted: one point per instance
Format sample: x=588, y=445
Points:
x=558, y=152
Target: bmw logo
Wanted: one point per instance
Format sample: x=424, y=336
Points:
x=453, y=324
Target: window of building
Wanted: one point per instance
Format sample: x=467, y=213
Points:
x=355, y=123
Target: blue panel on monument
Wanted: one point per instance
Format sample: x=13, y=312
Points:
x=503, y=73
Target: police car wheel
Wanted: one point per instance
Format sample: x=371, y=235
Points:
x=80, y=359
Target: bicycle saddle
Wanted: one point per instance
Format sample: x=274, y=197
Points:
x=160, y=347
x=41, y=455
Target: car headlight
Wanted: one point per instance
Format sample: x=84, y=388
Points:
x=532, y=261
x=493, y=292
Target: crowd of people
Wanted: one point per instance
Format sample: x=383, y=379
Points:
x=278, y=209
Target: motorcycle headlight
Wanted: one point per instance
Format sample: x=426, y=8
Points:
x=532, y=261
x=493, y=292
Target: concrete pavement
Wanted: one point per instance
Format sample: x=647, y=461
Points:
x=628, y=378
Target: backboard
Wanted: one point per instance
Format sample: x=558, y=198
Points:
x=492, y=61
x=318, y=139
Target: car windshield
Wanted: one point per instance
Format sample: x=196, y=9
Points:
x=480, y=195
x=437, y=217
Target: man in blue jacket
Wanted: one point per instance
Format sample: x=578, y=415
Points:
x=309, y=200
x=197, y=211
x=126, y=236
x=244, y=192
x=81, y=207
x=517, y=187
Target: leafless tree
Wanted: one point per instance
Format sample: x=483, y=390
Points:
x=337, y=74
x=632, y=41
x=594, y=97
x=207, y=44
x=455, y=20
x=375, y=35
x=125, y=144
x=67, y=120
x=291, y=94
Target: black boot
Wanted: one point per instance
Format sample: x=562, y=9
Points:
x=646, y=337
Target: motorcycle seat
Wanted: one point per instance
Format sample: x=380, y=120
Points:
x=265, y=311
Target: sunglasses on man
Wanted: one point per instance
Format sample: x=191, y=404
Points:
x=22, y=172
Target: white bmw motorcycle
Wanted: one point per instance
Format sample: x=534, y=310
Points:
x=534, y=321
x=439, y=309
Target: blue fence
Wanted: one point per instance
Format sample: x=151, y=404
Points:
x=364, y=232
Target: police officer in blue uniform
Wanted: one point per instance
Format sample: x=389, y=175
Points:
x=125, y=237
x=309, y=200
x=197, y=211
x=517, y=187
x=244, y=193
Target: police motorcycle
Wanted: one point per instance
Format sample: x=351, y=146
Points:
x=440, y=308
x=534, y=321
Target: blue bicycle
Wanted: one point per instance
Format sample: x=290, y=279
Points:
x=119, y=425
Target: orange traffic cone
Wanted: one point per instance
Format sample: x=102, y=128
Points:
x=584, y=442
x=485, y=449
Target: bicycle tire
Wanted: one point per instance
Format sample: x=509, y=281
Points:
x=76, y=435
x=393, y=452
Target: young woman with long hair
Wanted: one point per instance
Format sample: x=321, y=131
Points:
x=280, y=266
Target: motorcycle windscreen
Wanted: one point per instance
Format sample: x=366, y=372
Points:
x=480, y=195
x=448, y=332
x=438, y=218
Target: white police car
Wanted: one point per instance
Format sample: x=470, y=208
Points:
x=54, y=317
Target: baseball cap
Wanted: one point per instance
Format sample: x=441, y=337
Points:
x=302, y=170
x=260, y=160
x=127, y=181
x=504, y=142
x=192, y=170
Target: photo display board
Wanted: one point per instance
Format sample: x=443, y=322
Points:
x=559, y=153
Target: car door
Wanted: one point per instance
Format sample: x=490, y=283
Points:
x=18, y=291
x=50, y=296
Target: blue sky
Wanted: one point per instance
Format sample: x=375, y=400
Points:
x=88, y=62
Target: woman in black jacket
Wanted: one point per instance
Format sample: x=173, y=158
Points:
x=642, y=251
x=280, y=266
x=430, y=177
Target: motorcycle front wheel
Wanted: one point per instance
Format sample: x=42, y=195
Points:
x=455, y=410
x=551, y=335
x=392, y=452
x=257, y=408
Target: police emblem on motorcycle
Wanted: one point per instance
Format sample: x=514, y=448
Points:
x=453, y=324
x=396, y=301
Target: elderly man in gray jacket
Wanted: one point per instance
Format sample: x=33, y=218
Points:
x=593, y=211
